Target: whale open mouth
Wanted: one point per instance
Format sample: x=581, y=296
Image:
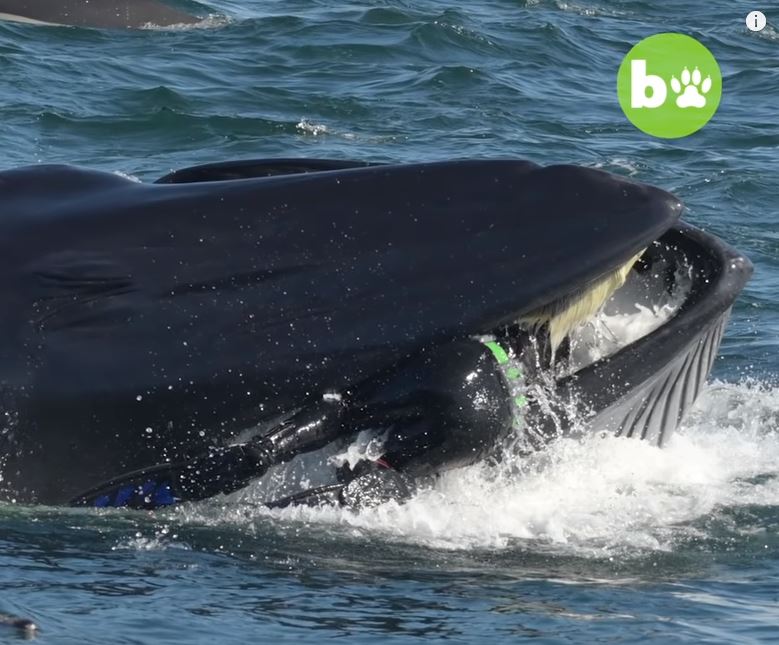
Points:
x=635, y=361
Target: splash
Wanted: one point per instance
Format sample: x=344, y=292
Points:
x=599, y=496
x=163, y=538
x=637, y=309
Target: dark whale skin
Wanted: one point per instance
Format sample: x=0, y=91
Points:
x=110, y=14
x=144, y=322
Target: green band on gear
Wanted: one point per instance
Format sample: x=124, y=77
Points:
x=514, y=373
x=498, y=352
x=511, y=373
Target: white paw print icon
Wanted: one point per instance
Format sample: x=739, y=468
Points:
x=694, y=94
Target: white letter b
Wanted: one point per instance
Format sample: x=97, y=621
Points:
x=640, y=81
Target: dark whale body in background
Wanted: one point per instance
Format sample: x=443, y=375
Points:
x=118, y=14
x=145, y=322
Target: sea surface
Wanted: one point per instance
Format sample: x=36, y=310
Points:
x=602, y=540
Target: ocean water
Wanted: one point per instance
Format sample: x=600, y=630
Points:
x=599, y=540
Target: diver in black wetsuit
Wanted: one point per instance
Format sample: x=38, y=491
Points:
x=445, y=407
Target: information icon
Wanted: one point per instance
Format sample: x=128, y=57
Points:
x=756, y=21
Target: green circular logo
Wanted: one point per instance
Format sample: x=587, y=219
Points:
x=669, y=85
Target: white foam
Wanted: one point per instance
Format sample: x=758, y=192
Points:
x=163, y=539
x=212, y=21
x=599, y=496
x=307, y=127
x=588, y=10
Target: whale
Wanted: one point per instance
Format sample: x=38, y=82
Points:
x=148, y=322
x=102, y=14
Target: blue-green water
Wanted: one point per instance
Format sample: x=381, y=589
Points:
x=609, y=540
